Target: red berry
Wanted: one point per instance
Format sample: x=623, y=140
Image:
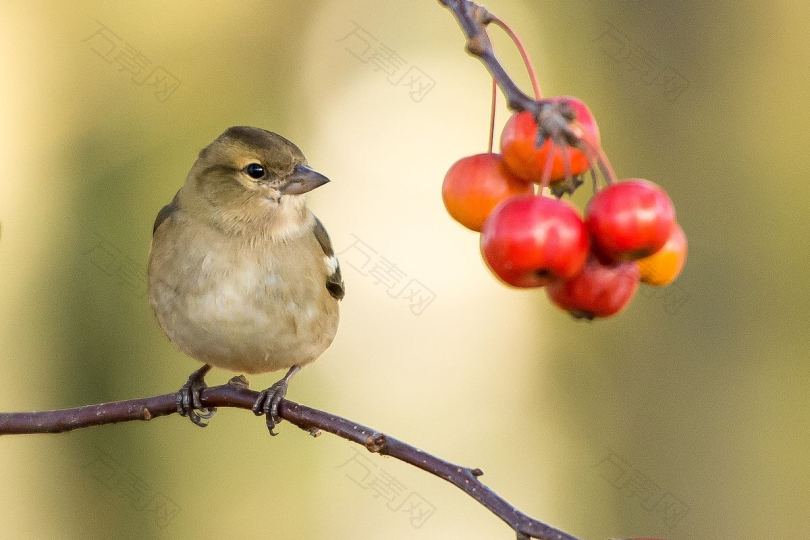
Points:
x=629, y=220
x=529, y=241
x=598, y=291
x=525, y=159
x=475, y=185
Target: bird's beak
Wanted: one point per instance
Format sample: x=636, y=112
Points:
x=302, y=180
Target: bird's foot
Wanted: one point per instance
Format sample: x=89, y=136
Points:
x=268, y=401
x=267, y=404
x=188, y=398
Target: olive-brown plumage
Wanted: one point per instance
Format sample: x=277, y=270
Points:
x=241, y=274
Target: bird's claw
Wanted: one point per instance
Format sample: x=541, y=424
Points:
x=189, y=402
x=268, y=402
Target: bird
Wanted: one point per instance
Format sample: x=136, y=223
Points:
x=241, y=274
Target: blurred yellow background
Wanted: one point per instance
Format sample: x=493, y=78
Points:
x=684, y=417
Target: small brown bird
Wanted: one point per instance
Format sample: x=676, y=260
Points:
x=241, y=274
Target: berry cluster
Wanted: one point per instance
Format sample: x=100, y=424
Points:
x=589, y=267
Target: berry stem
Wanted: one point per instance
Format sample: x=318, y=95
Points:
x=492, y=108
x=601, y=159
x=592, y=168
x=545, y=179
x=566, y=152
x=538, y=93
x=605, y=166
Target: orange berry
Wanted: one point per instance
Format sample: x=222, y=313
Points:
x=662, y=267
x=475, y=185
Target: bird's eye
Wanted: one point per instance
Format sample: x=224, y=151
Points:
x=255, y=170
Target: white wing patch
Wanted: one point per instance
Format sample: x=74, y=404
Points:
x=331, y=263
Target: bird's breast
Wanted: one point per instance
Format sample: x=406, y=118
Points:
x=247, y=307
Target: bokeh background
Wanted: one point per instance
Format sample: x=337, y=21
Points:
x=684, y=417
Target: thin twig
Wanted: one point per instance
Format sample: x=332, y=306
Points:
x=473, y=20
x=524, y=54
x=236, y=394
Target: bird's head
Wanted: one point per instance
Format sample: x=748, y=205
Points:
x=250, y=176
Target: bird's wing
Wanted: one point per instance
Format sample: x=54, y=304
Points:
x=165, y=212
x=334, y=281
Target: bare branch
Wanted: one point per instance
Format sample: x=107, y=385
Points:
x=473, y=20
x=236, y=394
